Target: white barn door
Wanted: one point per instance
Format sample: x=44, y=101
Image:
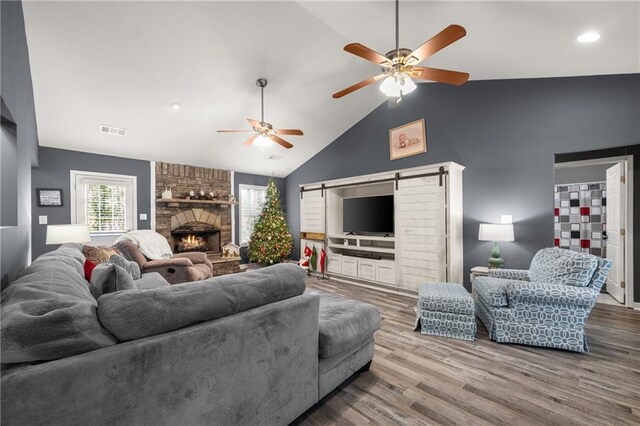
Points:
x=420, y=232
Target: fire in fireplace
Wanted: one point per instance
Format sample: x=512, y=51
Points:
x=196, y=237
x=192, y=243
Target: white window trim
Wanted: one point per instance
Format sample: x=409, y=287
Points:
x=74, y=174
x=240, y=188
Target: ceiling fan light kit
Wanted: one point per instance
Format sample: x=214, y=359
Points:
x=264, y=135
x=399, y=66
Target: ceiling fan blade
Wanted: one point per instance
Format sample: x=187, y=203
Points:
x=293, y=132
x=438, y=42
x=277, y=139
x=357, y=86
x=254, y=123
x=234, y=131
x=365, y=53
x=251, y=139
x=442, y=76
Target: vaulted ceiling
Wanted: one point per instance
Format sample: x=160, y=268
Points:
x=124, y=63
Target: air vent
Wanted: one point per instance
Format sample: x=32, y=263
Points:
x=274, y=157
x=110, y=130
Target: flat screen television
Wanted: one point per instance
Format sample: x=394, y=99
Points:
x=368, y=215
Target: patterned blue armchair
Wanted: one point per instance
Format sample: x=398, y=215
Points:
x=546, y=305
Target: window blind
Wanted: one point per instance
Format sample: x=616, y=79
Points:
x=251, y=201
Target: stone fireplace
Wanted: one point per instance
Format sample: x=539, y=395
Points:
x=191, y=224
x=195, y=230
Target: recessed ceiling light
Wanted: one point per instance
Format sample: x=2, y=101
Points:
x=175, y=106
x=589, y=37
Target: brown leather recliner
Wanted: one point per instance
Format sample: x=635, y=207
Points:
x=181, y=268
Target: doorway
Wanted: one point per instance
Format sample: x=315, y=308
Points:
x=593, y=214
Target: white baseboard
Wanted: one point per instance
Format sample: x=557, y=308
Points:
x=636, y=305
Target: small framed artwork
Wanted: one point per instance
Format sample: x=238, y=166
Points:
x=48, y=197
x=409, y=139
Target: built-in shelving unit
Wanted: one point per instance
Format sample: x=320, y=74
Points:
x=426, y=245
x=364, y=243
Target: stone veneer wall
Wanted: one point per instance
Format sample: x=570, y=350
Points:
x=182, y=179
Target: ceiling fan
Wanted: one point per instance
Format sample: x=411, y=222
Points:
x=264, y=135
x=399, y=65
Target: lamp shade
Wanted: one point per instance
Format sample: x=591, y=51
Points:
x=60, y=234
x=491, y=232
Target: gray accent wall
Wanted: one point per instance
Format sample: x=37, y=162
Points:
x=259, y=180
x=505, y=132
x=16, y=92
x=54, y=171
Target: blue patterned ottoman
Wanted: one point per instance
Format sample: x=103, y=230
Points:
x=447, y=310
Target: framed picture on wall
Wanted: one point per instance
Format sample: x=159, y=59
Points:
x=48, y=197
x=409, y=139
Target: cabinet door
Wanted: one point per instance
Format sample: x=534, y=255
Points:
x=334, y=264
x=366, y=269
x=385, y=272
x=420, y=232
x=312, y=212
x=349, y=267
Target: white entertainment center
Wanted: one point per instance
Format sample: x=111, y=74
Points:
x=426, y=243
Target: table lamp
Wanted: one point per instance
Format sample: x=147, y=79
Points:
x=60, y=234
x=496, y=233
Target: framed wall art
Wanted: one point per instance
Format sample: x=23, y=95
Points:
x=409, y=139
x=48, y=197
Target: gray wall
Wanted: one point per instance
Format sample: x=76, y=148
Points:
x=54, y=170
x=586, y=174
x=249, y=179
x=506, y=133
x=16, y=91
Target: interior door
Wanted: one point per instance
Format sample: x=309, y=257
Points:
x=615, y=211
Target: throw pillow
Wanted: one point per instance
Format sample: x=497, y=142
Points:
x=109, y=278
x=99, y=254
x=131, y=267
x=89, y=266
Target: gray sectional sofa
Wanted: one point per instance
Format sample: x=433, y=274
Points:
x=252, y=348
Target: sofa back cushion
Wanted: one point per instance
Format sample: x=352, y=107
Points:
x=135, y=314
x=559, y=266
x=49, y=312
x=109, y=278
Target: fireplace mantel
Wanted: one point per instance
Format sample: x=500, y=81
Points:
x=174, y=202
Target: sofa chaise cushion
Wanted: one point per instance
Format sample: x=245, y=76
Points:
x=345, y=324
x=49, y=312
x=135, y=314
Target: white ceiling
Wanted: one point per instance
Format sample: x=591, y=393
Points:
x=124, y=63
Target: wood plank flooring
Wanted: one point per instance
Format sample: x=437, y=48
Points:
x=416, y=379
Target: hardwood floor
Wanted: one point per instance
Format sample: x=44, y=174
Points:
x=416, y=379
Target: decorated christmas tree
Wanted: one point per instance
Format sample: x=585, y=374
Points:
x=271, y=241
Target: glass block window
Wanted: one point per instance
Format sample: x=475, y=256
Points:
x=251, y=200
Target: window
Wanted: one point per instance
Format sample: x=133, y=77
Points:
x=106, y=202
x=251, y=200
